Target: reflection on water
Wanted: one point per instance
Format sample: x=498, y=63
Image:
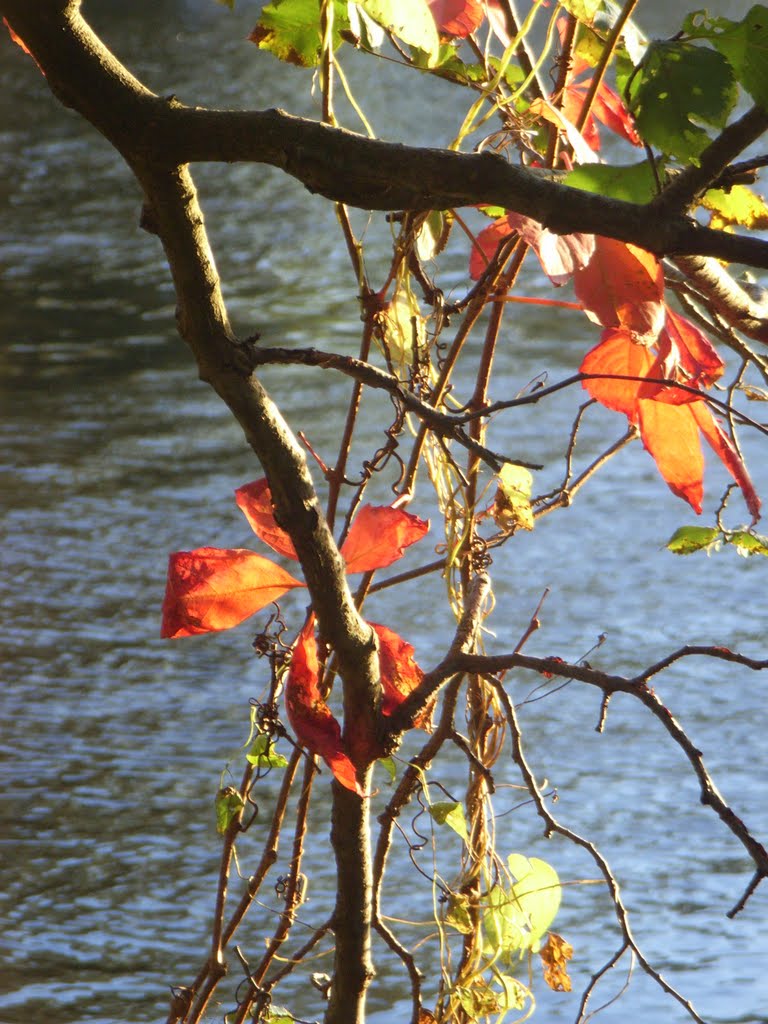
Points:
x=113, y=454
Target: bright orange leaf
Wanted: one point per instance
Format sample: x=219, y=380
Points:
x=606, y=108
x=617, y=354
x=378, y=536
x=255, y=502
x=458, y=18
x=310, y=717
x=685, y=355
x=671, y=435
x=214, y=588
x=623, y=286
x=400, y=674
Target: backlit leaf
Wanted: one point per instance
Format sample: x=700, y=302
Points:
x=688, y=539
x=745, y=46
x=216, y=588
x=255, y=502
x=739, y=205
x=536, y=893
x=404, y=326
x=635, y=183
x=560, y=255
x=747, y=543
x=724, y=448
x=670, y=434
x=379, y=536
x=409, y=20
x=310, y=717
x=681, y=86
x=457, y=913
x=458, y=18
x=400, y=675
x=623, y=286
x=617, y=354
x=262, y=754
x=451, y=814
x=290, y=29
x=512, y=504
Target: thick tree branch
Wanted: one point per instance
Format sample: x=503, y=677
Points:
x=339, y=164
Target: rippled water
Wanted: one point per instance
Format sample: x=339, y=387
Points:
x=113, y=454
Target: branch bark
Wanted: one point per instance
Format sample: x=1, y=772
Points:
x=351, y=168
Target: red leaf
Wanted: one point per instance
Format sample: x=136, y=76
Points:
x=400, y=674
x=623, y=286
x=486, y=244
x=685, y=355
x=20, y=42
x=723, y=447
x=255, y=502
x=216, y=588
x=310, y=717
x=617, y=354
x=457, y=17
x=671, y=434
x=379, y=535
x=609, y=109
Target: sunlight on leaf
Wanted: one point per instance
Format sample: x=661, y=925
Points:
x=229, y=804
x=263, y=755
x=255, y=502
x=512, y=505
x=536, y=894
x=623, y=286
x=747, y=543
x=290, y=29
x=310, y=717
x=688, y=539
x=452, y=815
x=409, y=20
x=739, y=205
x=379, y=536
x=210, y=589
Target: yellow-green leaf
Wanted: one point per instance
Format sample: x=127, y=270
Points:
x=512, y=506
x=409, y=20
x=739, y=206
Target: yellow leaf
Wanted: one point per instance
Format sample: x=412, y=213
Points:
x=512, y=506
x=740, y=205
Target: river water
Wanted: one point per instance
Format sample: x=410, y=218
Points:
x=113, y=454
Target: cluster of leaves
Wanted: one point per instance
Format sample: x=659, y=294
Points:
x=211, y=589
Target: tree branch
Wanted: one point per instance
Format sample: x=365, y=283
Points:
x=347, y=167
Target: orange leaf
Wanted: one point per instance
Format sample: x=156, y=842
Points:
x=400, y=675
x=255, y=502
x=485, y=246
x=215, y=588
x=723, y=447
x=310, y=717
x=555, y=954
x=20, y=42
x=458, y=18
x=623, y=286
x=617, y=354
x=670, y=434
x=379, y=535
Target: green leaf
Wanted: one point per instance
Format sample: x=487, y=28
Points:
x=229, y=804
x=391, y=768
x=679, y=87
x=634, y=183
x=536, y=894
x=745, y=47
x=452, y=815
x=457, y=913
x=279, y=1015
x=583, y=10
x=688, y=539
x=409, y=20
x=747, y=543
x=263, y=755
x=290, y=29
